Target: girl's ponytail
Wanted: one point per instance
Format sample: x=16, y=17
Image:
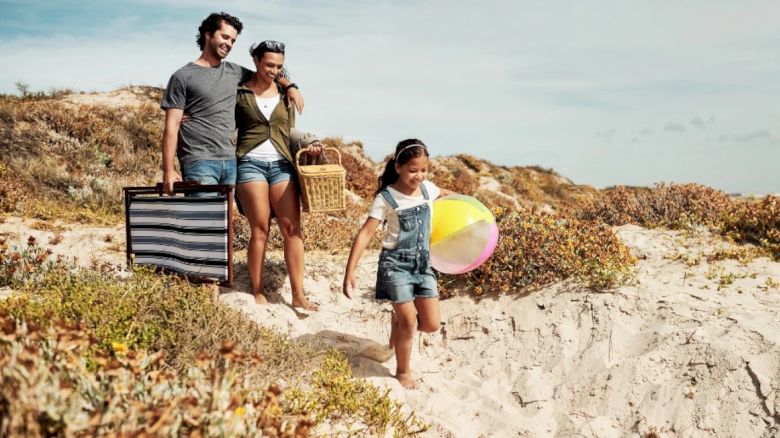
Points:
x=389, y=176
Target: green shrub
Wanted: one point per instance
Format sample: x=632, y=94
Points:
x=143, y=311
x=48, y=389
x=688, y=205
x=668, y=205
x=538, y=249
x=757, y=223
x=354, y=406
x=169, y=318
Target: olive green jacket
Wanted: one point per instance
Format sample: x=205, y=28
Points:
x=253, y=128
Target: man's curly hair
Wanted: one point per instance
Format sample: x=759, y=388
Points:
x=213, y=22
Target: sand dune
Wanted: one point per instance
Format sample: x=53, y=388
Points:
x=689, y=348
x=668, y=353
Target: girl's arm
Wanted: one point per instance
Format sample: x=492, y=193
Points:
x=360, y=243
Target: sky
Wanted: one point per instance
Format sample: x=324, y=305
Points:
x=603, y=92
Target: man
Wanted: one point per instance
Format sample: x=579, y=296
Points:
x=205, y=90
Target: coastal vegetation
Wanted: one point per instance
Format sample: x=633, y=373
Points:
x=93, y=351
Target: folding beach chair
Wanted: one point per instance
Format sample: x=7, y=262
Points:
x=192, y=236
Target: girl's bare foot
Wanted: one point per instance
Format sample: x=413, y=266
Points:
x=260, y=298
x=305, y=304
x=406, y=380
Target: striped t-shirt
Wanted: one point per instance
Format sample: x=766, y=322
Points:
x=208, y=96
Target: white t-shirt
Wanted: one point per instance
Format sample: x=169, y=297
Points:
x=381, y=210
x=266, y=151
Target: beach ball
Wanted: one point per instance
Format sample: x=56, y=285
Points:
x=463, y=234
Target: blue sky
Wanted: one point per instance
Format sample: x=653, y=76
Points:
x=604, y=92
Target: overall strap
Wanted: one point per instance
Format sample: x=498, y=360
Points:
x=424, y=191
x=389, y=198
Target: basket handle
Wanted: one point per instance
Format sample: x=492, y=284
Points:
x=302, y=150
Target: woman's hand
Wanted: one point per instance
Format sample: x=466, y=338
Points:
x=295, y=97
x=350, y=285
x=315, y=149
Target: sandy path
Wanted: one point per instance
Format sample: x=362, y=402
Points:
x=668, y=353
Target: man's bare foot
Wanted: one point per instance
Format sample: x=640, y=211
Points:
x=393, y=330
x=260, y=298
x=305, y=304
x=406, y=380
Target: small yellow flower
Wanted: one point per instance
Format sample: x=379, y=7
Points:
x=119, y=348
x=240, y=411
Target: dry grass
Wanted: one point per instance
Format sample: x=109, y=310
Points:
x=453, y=174
x=690, y=205
x=70, y=161
x=669, y=205
x=48, y=389
x=146, y=311
x=362, y=178
x=755, y=222
x=89, y=362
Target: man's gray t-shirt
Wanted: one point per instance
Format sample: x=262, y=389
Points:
x=208, y=96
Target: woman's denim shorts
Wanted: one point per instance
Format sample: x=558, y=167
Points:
x=271, y=172
x=405, y=275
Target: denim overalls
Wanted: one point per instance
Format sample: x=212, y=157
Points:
x=405, y=272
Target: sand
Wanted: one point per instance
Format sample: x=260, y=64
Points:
x=689, y=348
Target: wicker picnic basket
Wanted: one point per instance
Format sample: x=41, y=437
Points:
x=322, y=185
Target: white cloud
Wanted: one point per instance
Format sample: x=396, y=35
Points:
x=606, y=135
x=674, y=127
x=761, y=135
x=701, y=123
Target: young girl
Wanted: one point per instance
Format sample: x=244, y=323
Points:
x=405, y=200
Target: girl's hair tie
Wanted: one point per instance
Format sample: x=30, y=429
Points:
x=398, y=154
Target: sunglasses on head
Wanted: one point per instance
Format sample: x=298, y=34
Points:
x=273, y=45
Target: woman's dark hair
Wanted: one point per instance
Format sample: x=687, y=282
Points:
x=213, y=22
x=258, y=50
x=404, y=152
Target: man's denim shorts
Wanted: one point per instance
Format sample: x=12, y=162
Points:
x=209, y=172
x=271, y=172
x=402, y=278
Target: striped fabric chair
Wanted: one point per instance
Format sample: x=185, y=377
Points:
x=192, y=236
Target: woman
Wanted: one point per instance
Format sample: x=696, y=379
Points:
x=266, y=182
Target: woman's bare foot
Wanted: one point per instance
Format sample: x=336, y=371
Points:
x=406, y=380
x=305, y=304
x=260, y=298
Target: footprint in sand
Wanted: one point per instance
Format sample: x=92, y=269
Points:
x=377, y=352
